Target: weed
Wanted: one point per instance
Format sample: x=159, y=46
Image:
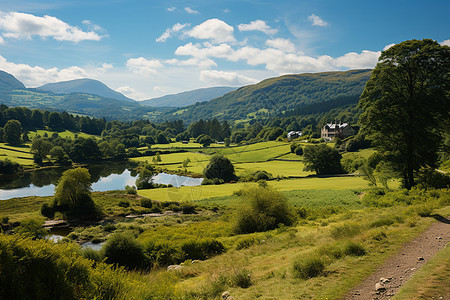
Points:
x=354, y=249
x=241, y=278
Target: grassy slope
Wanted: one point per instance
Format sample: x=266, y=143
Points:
x=187, y=193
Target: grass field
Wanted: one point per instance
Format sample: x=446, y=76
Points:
x=63, y=134
x=19, y=154
x=275, y=167
x=195, y=193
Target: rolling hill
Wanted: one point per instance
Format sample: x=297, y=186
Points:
x=189, y=97
x=8, y=82
x=277, y=95
x=86, y=86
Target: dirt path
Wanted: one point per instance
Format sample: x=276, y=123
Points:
x=389, y=277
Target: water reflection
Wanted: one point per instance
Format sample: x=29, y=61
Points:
x=42, y=182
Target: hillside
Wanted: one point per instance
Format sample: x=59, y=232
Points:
x=9, y=82
x=277, y=95
x=188, y=97
x=85, y=85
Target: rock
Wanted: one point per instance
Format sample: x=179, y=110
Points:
x=439, y=238
x=379, y=287
x=226, y=296
x=420, y=258
x=174, y=267
x=384, y=280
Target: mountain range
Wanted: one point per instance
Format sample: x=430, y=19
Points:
x=271, y=97
x=85, y=85
x=189, y=97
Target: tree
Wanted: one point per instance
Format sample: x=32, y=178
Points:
x=74, y=189
x=40, y=148
x=12, y=132
x=186, y=163
x=219, y=167
x=405, y=103
x=322, y=159
x=204, y=140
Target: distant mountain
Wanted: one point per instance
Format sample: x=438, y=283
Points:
x=8, y=82
x=189, y=97
x=85, y=85
x=275, y=96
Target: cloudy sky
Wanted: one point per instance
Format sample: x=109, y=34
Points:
x=147, y=48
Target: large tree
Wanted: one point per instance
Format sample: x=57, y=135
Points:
x=405, y=104
x=74, y=188
x=322, y=159
x=12, y=132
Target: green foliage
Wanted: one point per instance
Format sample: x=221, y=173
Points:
x=9, y=167
x=73, y=192
x=219, y=167
x=32, y=228
x=147, y=203
x=432, y=179
x=299, y=151
x=47, y=210
x=124, y=250
x=405, y=102
x=354, y=249
x=322, y=159
x=41, y=270
x=130, y=190
x=308, y=267
x=12, y=132
x=201, y=249
x=144, y=180
x=345, y=231
x=265, y=210
x=241, y=278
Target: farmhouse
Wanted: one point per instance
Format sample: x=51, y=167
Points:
x=333, y=130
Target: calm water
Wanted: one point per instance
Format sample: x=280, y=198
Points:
x=105, y=177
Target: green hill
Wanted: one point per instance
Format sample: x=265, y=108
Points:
x=9, y=82
x=277, y=95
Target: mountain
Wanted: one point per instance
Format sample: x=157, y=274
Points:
x=189, y=97
x=8, y=82
x=85, y=85
x=276, y=96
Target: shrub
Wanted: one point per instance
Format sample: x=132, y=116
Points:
x=130, y=190
x=202, y=249
x=219, y=168
x=124, y=204
x=32, y=228
x=241, y=278
x=187, y=208
x=299, y=151
x=354, y=249
x=9, y=167
x=147, y=203
x=47, y=211
x=266, y=209
x=124, y=250
x=308, y=267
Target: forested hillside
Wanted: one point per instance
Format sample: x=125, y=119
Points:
x=277, y=95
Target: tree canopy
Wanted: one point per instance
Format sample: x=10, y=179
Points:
x=322, y=159
x=406, y=103
x=219, y=167
x=74, y=188
x=12, y=132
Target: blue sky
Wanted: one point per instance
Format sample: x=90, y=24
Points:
x=146, y=48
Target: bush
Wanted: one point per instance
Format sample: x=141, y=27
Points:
x=47, y=211
x=202, y=249
x=32, y=228
x=130, y=190
x=124, y=250
x=124, y=204
x=241, y=278
x=266, y=209
x=147, y=203
x=308, y=267
x=299, y=151
x=219, y=168
x=9, y=167
x=354, y=249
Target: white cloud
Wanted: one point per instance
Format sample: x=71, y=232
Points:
x=131, y=93
x=258, y=25
x=388, y=46
x=144, y=66
x=445, y=43
x=2, y=41
x=190, y=10
x=204, y=63
x=171, y=31
x=225, y=78
x=317, y=21
x=213, y=29
x=221, y=51
x=363, y=60
x=281, y=44
x=171, y=9
x=93, y=26
x=21, y=25
x=105, y=67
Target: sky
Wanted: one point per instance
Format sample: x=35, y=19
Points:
x=146, y=48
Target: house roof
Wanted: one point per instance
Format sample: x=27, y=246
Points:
x=335, y=126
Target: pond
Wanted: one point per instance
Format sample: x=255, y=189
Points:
x=104, y=177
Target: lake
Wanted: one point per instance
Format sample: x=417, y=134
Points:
x=104, y=177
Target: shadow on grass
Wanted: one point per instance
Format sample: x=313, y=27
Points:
x=440, y=219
